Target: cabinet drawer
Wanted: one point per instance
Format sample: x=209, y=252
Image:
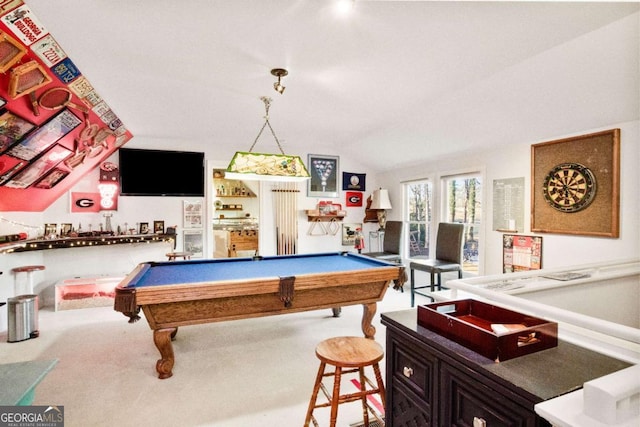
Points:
x=464, y=399
x=407, y=411
x=415, y=371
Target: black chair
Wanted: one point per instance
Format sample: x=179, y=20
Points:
x=448, y=258
x=391, y=249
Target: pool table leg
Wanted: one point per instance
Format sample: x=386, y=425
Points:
x=162, y=339
x=369, y=310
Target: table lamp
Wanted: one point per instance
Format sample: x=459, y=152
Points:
x=380, y=201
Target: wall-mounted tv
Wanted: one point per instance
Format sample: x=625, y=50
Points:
x=161, y=173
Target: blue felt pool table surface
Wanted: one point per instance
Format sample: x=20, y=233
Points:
x=211, y=270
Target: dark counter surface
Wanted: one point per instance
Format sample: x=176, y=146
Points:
x=544, y=375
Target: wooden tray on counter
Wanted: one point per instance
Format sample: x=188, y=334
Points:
x=494, y=332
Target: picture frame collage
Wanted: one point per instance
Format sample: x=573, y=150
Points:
x=30, y=154
x=325, y=180
x=52, y=119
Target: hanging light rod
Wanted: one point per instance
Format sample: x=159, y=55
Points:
x=247, y=165
x=279, y=73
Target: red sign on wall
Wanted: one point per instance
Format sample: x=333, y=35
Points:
x=85, y=202
x=354, y=198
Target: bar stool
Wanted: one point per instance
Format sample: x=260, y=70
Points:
x=29, y=269
x=172, y=256
x=354, y=354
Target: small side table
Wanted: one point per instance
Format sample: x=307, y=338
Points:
x=172, y=256
x=29, y=269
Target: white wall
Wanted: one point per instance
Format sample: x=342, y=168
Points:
x=513, y=161
x=133, y=210
x=510, y=161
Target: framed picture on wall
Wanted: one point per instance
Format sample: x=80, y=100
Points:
x=65, y=229
x=324, y=172
x=12, y=129
x=192, y=212
x=143, y=228
x=45, y=136
x=50, y=229
x=521, y=253
x=349, y=233
x=52, y=179
x=158, y=227
x=39, y=168
x=193, y=242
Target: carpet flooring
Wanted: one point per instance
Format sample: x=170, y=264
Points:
x=253, y=372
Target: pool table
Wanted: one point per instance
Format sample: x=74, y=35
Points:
x=180, y=293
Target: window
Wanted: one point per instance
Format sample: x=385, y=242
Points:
x=463, y=195
x=418, y=196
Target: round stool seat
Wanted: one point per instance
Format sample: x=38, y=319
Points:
x=349, y=351
x=27, y=268
x=348, y=356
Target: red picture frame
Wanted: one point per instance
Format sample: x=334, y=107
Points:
x=45, y=136
x=39, y=168
x=12, y=129
x=52, y=179
x=521, y=253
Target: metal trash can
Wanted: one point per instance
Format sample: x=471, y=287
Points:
x=23, y=318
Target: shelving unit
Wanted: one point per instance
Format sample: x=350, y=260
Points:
x=235, y=226
x=232, y=188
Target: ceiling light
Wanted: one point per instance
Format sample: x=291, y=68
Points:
x=279, y=73
x=248, y=165
x=344, y=7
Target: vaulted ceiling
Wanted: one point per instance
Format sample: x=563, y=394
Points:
x=393, y=83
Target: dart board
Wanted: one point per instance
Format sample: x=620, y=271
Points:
x=569, y=187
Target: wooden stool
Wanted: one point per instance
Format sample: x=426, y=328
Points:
x=171, y=256
x=353, y=353
x=29, y=269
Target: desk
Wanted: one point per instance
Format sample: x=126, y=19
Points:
x=180, y=293
x=19, y=381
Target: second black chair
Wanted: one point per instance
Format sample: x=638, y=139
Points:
x=448, y=257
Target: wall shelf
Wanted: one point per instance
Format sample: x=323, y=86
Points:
x=79, y=242
x=325, y=218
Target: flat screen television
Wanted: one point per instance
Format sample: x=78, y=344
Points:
x=161, y=173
